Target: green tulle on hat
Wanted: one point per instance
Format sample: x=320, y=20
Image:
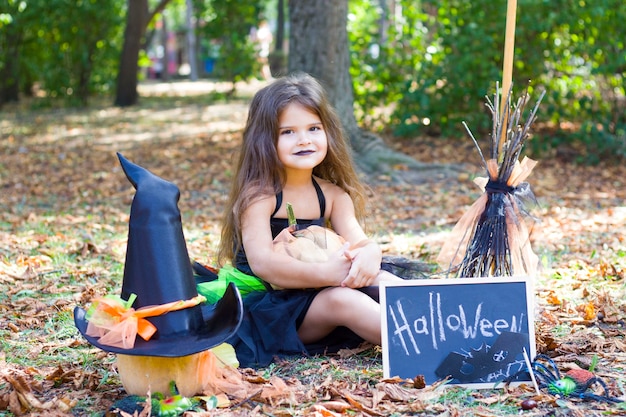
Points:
x=214, y=290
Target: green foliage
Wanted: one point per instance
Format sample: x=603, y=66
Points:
x=418, y=67
x=87, y=35
x=599, y=143
x=583, y=63
x=69, y=47
x=439, y=64
x=447, y=57
x=17, y=21
x=386, y=51
x=226, y=25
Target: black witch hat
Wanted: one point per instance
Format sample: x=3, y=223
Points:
x=158, y=271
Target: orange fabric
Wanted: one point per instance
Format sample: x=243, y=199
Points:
x=218, y=378
x=523, y=259
x=454, y=248
x=521, y=171
x=118, y=325
x=492, y=169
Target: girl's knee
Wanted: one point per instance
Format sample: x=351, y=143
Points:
x=342, y=306
x=336, y=298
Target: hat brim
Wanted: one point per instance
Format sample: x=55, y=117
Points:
x=221, y=322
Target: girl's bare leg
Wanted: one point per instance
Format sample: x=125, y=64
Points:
x=386, y=276
x=341, y=306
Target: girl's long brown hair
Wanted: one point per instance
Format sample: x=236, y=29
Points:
x=259, y=173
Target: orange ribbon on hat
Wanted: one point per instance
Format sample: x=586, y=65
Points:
x=117, y=324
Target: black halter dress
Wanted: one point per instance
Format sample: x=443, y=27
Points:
x=271, y=318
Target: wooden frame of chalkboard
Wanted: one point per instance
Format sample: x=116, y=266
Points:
x=474, y=330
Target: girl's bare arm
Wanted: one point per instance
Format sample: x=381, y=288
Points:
x=279, y=269
x=365, y=254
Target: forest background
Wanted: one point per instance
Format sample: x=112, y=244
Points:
x=417, y=70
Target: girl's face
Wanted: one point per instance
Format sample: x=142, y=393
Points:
x=302, y=142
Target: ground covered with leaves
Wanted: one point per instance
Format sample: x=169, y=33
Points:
x=64, y=209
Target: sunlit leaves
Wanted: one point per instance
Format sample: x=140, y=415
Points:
x=61, y=44
x=577, y=55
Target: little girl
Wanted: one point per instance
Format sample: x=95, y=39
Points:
x=294, y=151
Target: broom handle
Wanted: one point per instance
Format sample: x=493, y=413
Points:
x=507, y=66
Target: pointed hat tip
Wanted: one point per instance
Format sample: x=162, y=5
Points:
x=131, y=170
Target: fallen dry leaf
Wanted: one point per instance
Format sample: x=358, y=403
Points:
x=323, y=411
x=63, y=227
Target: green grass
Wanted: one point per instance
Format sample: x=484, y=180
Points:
x=52, y=231
x=69, y=272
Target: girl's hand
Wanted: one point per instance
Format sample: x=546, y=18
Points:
x=365, y=266
x=338, y=266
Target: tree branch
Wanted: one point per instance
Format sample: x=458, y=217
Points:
x=158, y=9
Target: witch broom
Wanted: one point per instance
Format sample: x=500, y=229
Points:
x=492, y=239
x=494, y=231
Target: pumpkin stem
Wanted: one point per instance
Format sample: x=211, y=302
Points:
x=291, y=216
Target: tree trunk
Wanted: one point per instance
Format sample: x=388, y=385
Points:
x=278, y=57
x=9, y=74
x=9, y=71
x=191, y=42
x=280, y=26
x=137, y=19
x=318, y=45
x=136, y=22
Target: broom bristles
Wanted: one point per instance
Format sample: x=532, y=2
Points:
x=488, y=252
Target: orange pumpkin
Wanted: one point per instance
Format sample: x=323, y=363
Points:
x=313, y=244
x=191, y=374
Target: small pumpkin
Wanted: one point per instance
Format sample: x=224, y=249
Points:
x=191, y=373
x=312, y=244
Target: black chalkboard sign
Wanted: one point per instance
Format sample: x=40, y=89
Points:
x=475, y=330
